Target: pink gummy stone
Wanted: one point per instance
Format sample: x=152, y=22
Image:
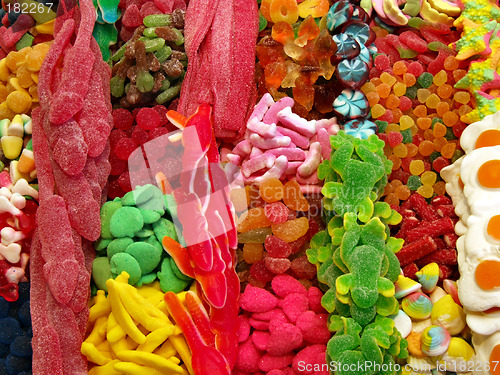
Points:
x=305, y=361
x=132, y=17
x=248, y=357
x=314, y=296
x=313, y=327
x=261, y=339
x=277, y=265
x=257, y=300
x=275, y=314
x=149, y=8
x=284, y=285
x=270, y=362
x=259, y=324
x=244, y=329
x=284, y=338
x=294, y=305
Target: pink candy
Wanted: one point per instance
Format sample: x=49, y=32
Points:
x=257, y=300
x=285, y=332
x=274, y=130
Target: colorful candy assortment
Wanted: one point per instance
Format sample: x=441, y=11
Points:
x=398, y=69
x=151, y=64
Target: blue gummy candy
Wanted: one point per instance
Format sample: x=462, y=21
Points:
x=21, y=346
x=15, y=365
x=24, y=314
x=9, y=330
x=13, y=16
x=25, y=373
x=3, y=367
x=4, y=350
x=24, y=291
x=4, y=308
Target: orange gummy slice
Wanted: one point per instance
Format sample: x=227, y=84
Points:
x=488, y=274
x=271, y=190
x=489, y=174
x=494, y=359
x=253, y=219
x=293, y=197
x=493, y=228
x=490, y=137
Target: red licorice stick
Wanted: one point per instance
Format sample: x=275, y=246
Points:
x=410, y=270
x=420, y=206
x=444, y=257
x=416, y=250
x=434, y=229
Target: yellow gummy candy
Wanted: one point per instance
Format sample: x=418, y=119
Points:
x=100, y=308
x=4, y=70
x=107, y=369
x=182, y=348
x=156, y=338
x=131, y=368
x=166, y=350
x=154, y=361
x=121, y=315
x=93, y=354
x=98, y=333
x=143, y=312
x=114, y=331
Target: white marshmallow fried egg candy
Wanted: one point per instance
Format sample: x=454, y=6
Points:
x=480, y=174
x=483, y=322
x=483, y=133
x=487, y=360
x=454, y=188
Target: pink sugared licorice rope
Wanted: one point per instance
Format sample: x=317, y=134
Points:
x=72, y=168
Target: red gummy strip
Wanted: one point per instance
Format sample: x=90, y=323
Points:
x=42, y=157
x=407, y=225
x=413, y=40
x=47, y=356
x=78, y=63
x=426, y=212
x=446, y=210
x=450, y=239
x=410, y=270
x=228, y=87
x=416, y=250
x=433, y=229
x=444, y=257
x=440, y=200
x=45, y=89
x=445, y=272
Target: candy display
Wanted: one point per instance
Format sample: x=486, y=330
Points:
x=273, y=187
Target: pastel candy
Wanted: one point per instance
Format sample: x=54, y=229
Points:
x=351, y=104
x=352, y=73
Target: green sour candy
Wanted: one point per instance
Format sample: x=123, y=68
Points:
x=148, y=256
x=119, y=245
x=177, y=272
x=152, y=241
x=101, y=244
x=168, y=281
x=164, y=227
x=150, y=216
x=101, y=272
x=125, y=262
x=109, y=10
x=146, y=279
x=125, y=222
x=106, y=35
x=107, y=212
x=156, y=20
